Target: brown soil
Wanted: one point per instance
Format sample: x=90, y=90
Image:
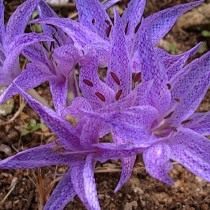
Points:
x=29, y=189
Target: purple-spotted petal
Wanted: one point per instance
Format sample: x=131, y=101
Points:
x=82, y=174
x=93, y=89
x=40, y=156
x=127, y=168
x=23, y=40
x=158, y=25
x=199, y=122
x=157, y=162
x=46, y=12
x=151, y=67
x=189, y=88
x=62, y=194
x=152, y=70
x=127, y=164
x=129, y=132
x=192, y=151
x=107, y=151
x=31, y=77
x=119, y=72
x=137, y=115
x=82, y=37
x=137, y=97
x=66, y=52
x=78, y=104
x=170, y=59
x=4, y=79
x=65, y=57
x=2, y=27
x=14, y=49
x=19, y=19
x=133, y=14
x=61, y=127
x=161, y=100
x=37, y=54
x=103, y=52
x=95, y=19
x=80, y=34
x=143, y=91
x=90, y=132
x=181, y=60
x=132, y=125
x=59, y=91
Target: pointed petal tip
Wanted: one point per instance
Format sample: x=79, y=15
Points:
x=117, y=189
x=62, y=194
x=19, y=19
x=127, y=168
x=110, y=3
x=168, y=181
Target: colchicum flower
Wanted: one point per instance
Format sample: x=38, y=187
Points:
x=155, y=115
x=54, y=63
x=153, y=112
x=77, y=148
x=129, y=88
x=42, y=66
x=13, y=39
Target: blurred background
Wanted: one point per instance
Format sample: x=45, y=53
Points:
x=20, y=128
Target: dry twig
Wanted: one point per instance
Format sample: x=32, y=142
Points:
x=20, y=109
x=12, y=187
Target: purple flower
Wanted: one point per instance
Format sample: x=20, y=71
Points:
x=77, y=148
x=45, y=65
x=57, y=68
x=94, y=29
x=146, y=100
x=157, y=115
x=153, y=113
x=55, y=64
x=13, y=39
